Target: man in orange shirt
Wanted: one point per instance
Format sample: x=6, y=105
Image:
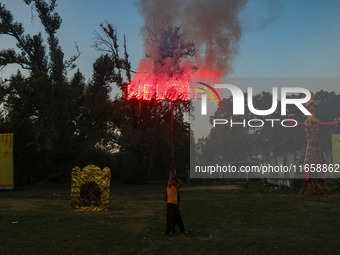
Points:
x=172, y=211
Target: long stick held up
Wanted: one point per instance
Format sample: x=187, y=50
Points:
x=172, y=133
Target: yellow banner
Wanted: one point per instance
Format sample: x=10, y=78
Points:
x=6, y=161
x=336, y=149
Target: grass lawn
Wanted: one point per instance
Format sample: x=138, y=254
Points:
x=254, y=220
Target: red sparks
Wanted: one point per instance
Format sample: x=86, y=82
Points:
x=148, y=87
x=151, y=87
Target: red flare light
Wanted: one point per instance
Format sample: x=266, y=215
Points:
x=151, y=87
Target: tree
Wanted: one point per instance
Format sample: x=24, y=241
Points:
x=59, y=122
x=32, y=51
x=144, y=128
x=109, y=71
x=43, y=109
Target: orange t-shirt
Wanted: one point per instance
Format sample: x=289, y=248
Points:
x=171, y=195
x=171, y=190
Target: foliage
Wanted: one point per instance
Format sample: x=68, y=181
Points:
x=144, y=127
x=46, y=111
x=59, y=122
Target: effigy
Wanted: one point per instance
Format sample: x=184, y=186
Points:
x=90, y=188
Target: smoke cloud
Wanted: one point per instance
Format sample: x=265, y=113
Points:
x=212, y=25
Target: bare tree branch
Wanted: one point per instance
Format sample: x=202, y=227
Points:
x=70, y=63
x=107, y=42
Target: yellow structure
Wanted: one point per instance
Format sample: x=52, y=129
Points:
x=6, y=161
x=90, y=190
x=336, y=149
